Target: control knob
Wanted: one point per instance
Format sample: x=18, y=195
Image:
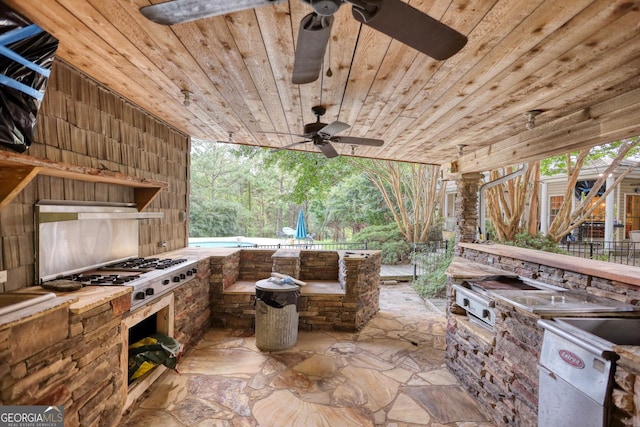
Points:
x=139, y=295
x=176, y=278
x=149, y=291
x=165, y=282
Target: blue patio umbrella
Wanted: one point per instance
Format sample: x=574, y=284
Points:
x=301, y=228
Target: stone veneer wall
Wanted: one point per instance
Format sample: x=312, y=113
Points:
x=255, y=264
x=466, y=208
x=192, y=307
x=73, y=360
x=319, y=265
x=362, y=283
x=348, y=312
x=500, y=367
x=67, y=359
x=232, y=310
x=626, y=395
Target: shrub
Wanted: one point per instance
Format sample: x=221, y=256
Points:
x=539, y=242
x=387, y=239
x=433, y=283
x=396, y=253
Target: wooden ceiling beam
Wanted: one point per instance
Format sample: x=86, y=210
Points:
x=605, y=122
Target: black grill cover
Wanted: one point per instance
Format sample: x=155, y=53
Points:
x=18, y=105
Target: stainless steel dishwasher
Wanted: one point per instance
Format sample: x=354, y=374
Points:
x=576, y=368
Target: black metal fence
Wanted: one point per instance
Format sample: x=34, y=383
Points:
x=627, y=253
x=346, y=246
x=427, y=255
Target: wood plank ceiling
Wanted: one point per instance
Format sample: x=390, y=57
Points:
x=577, y=61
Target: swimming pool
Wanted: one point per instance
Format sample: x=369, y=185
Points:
x=221, y=244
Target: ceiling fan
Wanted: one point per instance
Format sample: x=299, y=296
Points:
x=322, y=135
x=391, y=17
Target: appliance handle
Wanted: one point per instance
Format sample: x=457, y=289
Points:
x=75, y=216
x=580, y=338
x=547, y=372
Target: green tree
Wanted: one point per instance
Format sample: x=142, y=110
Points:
x=410, y=191
x=350, y=205
x=513, y=207
x=229, y=194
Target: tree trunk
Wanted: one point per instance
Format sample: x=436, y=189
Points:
x=507, y=202
x=569, y=219
x=410, y=192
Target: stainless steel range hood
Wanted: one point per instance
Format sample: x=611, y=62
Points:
x=74, y=211
x=74, y=236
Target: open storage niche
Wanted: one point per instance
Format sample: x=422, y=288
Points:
x=163, y=310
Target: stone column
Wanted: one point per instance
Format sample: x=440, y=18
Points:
x=287, y=261
x=467, y=208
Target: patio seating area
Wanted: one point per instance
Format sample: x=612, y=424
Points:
x=391, y=373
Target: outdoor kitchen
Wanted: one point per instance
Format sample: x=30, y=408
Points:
x=95, y=258
x=95, y=179
x=97, y=298
x=532, y=334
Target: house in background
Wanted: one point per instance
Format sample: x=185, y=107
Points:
x=616, y=215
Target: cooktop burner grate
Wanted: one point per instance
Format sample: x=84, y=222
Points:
x=145, y=264
x=100, y=279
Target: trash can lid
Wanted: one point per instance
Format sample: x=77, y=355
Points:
x=268, y=285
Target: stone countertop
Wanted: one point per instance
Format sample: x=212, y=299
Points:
x=197, y=254
x=606, y=270
x=463, y=269
x=86, y=298
x=35, y=311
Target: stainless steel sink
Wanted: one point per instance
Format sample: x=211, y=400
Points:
x=17, y=301
x=558, y=303
x=618, y=331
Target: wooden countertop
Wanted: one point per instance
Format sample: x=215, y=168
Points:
x=606, y=270
x=463, y=269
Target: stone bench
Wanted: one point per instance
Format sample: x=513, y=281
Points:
x=342, y=292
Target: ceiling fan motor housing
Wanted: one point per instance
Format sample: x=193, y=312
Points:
x=313, y=128
x=325, y=7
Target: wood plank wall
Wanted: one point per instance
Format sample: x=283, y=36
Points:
x=82, y=122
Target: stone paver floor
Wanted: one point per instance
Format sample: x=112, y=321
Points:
x=390, y=374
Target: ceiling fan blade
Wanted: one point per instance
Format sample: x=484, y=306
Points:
x=358, y=141
x=292, y=145
x=177, y=11
x=313, y=37
x=333, y=128
x=411, y=27
x=283, y=133
x=328, y=150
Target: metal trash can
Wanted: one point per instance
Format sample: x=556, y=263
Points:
x=276, y=315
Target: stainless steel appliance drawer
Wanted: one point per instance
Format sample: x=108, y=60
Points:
x=475, y=304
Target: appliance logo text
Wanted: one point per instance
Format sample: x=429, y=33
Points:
x=571, y=358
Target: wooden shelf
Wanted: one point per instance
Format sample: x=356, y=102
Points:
x=18, y=170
